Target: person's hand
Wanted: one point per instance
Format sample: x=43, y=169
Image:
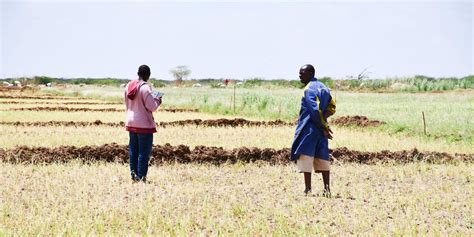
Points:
x=328, y=133
x=158, y=100
x=326, y=115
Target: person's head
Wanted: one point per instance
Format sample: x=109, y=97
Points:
x=306, y=73
x=144, y=72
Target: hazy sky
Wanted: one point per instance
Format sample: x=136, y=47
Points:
x=236, y=39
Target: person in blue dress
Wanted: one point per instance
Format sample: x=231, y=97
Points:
x=310, y=147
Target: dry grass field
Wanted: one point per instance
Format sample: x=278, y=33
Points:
x=242, y=199
x=73, y=198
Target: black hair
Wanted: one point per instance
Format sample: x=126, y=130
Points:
x=144, y=72
x=309, y=68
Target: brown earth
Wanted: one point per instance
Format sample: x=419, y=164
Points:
x=9, y=89
x=64, y=123
x=175, y=110
x=41, y=97
x=212, y=155
x=61, y=103
x=360, y=121
x=67, y=109
x=238, y=122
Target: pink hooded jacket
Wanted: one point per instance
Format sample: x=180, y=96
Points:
x=140, y=106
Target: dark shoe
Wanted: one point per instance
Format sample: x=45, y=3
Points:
x=307, y=192
x=135, y=177
x=143, y=179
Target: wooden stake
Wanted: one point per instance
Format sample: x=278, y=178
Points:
x=424, y=123
x=234, y=97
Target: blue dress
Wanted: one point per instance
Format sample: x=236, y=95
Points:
x=309, y=136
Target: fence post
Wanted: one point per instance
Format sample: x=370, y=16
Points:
x=234, y=96
x=424, y=122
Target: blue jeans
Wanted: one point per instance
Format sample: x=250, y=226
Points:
x=139, y=150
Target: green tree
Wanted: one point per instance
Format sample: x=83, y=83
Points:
x=180, y=72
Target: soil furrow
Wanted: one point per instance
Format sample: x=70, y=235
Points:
x=198, y=122
x=60, y=103
x=212, y=155
x=238, y=122
x=68, y=109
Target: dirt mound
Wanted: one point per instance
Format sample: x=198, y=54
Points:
x=360, y=121
x=238, y=122
x=175, y=110
x=41, y=97
x=9, y=89
x=67, y=109
x=60, y=103
x=343, y=154
x=213, y=155
x=64, y=123
x=194, y=122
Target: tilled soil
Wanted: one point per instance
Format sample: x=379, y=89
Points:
x=64, y=123
x=197, y=122
x=60, y=103
x=9, y=89
x=360, y=121
x=212, y=155
x=238, y=122
x=41, y=97
x=67, y=109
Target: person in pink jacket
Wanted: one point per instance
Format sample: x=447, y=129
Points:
x=140, y=105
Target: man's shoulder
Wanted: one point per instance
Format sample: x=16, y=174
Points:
x=316, y=85
x=323, y=87
x=145, y=86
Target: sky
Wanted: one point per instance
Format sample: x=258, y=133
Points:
x=240, y=39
